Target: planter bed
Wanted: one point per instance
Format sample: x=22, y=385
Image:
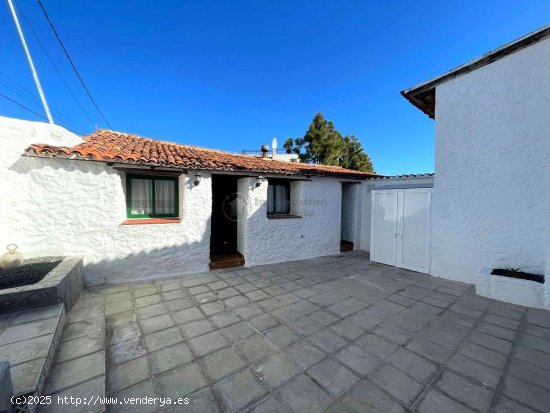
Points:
x=31, y=272
x=512, y=290
x=61, y=284
x=503, y=272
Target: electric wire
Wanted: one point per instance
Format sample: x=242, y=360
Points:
x=71, y=62
x=29, y=97
x=54, y=65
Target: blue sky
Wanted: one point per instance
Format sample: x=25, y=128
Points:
x=234, y=74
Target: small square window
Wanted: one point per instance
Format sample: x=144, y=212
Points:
x=150, y=196
x=278, y=197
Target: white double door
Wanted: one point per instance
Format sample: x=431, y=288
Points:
x=400, y=228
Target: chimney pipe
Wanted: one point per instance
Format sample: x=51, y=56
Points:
x=265, y=150
x=274, y=147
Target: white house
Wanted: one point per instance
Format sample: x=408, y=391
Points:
x=490, y=204
x=139, y=208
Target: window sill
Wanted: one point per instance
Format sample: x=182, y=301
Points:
x=283, y=216
x=145, y=221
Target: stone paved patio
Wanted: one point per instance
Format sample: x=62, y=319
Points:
x=334, y=334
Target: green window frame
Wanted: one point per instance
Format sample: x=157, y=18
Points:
x=153, y=178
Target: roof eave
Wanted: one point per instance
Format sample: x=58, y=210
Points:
x=414, y=94
x=31, y=152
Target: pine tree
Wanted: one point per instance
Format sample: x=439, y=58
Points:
x=323, y=144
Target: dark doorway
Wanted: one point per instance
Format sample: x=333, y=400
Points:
x=223, y=237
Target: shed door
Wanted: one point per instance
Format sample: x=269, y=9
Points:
x=383, y=226
x=400, y=228
x=413, y=228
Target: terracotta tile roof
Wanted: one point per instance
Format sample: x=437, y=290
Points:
x=111, y=146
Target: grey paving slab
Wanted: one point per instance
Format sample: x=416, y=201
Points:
x=94, y=387
x=437, y=402
x=80, y=346
x=333, y=376
x=473, y=395
x=201, y=401
x=181, y=381
x=275, y=370
x=222, y=363
x=327, y=340
x=528, y=394
x=238, y=331
x=127, y=374
x=486, y=375
x=208, y=343
x=304, y=395
x=196, y=328
x=413, y=365
x=398, y=384
x=169, y=358
x=366, y=397
x=255, y=347
x=304, y=354
x=238, y=391
x=70, y=373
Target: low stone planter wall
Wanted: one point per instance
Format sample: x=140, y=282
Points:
x=512, y=290
x=63, y=284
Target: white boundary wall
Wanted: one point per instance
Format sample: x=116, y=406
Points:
x=490, y=204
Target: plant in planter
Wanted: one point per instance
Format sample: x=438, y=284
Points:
x=514, y=272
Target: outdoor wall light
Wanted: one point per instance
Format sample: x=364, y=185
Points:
x=198, y=177
x=259, y=181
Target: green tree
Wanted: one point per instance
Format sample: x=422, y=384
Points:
x=323, y=144
x=354, y=157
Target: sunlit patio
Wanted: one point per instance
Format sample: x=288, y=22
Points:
x=335, y=334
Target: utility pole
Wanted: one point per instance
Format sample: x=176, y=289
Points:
x=31, y=64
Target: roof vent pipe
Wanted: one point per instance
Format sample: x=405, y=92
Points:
x=274, y=147
x=265, y=150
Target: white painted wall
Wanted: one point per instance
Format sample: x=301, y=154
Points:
x=317, y=233
x=67, y=207
x=490, y=203
x=364, y=229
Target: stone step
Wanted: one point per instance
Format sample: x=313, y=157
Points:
x=346, y=246
x=79, y=367
x=28, y=341
x=226, y=261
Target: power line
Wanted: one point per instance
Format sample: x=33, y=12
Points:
x=23, y=106
x=54, y=65
x=71, y=62
x=35, y=113
x=29, y=97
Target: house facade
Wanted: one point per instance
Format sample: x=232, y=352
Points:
x=137, y=208
x=490, y=204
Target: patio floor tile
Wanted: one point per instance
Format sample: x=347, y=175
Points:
x=304, y=354
x=275, y=370
x=222, y=363
x=398, y=384
x=255, y=347
x=170, y=357
x=335, y=334
x=238, y=390
x=181, y=381
x=333, y=376
x=358, y=360
x=207, y=343
x=304, y=395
